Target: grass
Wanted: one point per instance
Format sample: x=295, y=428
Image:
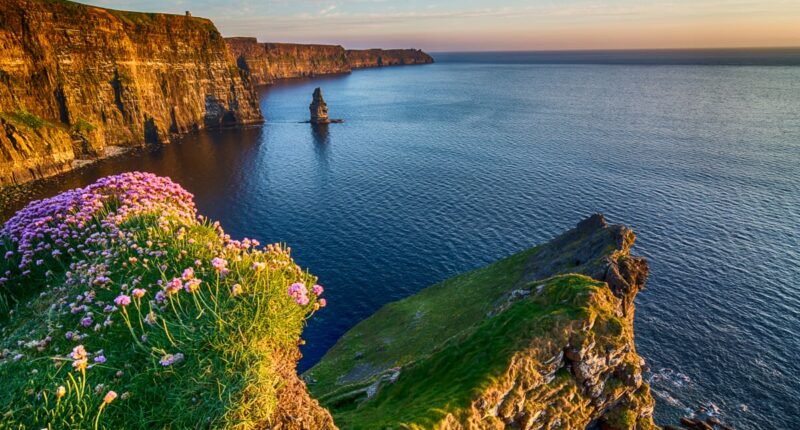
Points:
x=27, y=119
x=403, y=331
x=228, y=336
x=455, y=340
x=466, y=365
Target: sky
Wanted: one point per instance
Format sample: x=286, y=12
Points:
x=470, y=25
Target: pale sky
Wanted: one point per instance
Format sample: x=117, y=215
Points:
x=470, y=25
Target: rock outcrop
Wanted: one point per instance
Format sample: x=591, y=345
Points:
x=266, y=62
x=318, y=108
x=76, y=80
x=363, y=58
x=541, y=340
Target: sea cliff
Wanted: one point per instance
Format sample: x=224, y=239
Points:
x=266, y=62
x=77, y=81
x=540, y=340
x=156, y=318
x=363, y=58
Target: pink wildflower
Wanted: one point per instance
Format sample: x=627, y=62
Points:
x=138, y=292
x=188, y=273
x=322, y=303
x=299, y=293
x=317, y=289
x=192, y=285
x=109, y=397
x=259, y=266
x=174, y=286
x=236, y=289
x=122, y=300
x=219, y=264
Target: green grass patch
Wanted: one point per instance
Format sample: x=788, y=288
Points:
x=460, y=369
x=27, y=119
x=404, y=331
x=201, y=355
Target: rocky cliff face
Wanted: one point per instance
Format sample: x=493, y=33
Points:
x=541, y=340
x=266, y=62
x=361, y=58
x=76, y=80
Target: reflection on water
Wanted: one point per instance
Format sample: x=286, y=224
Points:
x=435, y=172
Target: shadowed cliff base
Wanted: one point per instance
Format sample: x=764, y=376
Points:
x=267, y=62
x=77, y=79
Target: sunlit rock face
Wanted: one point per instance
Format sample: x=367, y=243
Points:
x=77, y=81
x=266, y=62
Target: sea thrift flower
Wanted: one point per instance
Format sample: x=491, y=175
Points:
x=322, y=303
x=317, y=289
x=259, y=266
x=109, y=397
x=78, y=352
x=61, y=391
x=122, y=300
x=86, y=321
x=150, y=318
x=219, y=264
x=188, y=274
x=192, y=285
x=138, y=292
x=170, y=359
x=174, y=285
x=299, y=293
x=100, y=359
x=236, y=289
x=160, y=297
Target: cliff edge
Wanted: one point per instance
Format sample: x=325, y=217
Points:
x=540, y=340
x=267, y=62
x=77, y=80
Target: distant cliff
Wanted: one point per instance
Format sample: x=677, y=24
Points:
x=540, y=340
x=267, y=62
x=361, y=58
x=76, y=80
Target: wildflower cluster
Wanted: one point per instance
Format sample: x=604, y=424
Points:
x=145, y=298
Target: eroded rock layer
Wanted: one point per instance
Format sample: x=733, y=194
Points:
x=76, y=79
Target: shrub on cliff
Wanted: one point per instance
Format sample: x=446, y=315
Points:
x=121, y=308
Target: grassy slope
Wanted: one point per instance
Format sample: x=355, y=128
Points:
x=451, y=348
x=227, y=378
x=405, y=330
x=456, y=373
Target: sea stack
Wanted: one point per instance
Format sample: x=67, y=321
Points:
x=318, y=108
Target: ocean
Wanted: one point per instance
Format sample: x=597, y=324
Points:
x=442, y=168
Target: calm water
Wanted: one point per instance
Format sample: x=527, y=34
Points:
x=446, y=167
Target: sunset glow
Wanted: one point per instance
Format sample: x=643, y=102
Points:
x=500, y=25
